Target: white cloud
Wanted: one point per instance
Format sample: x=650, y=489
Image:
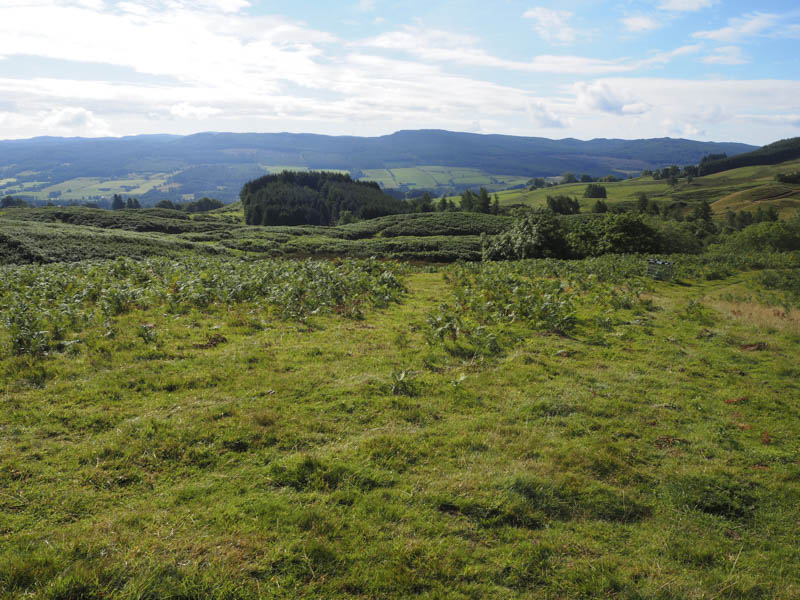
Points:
x=739, y=28
x=735, y=110
x=228, y=6
x=543, y=117
x=218, y=65
x=366, y=5
x=571, y=65
x=726, y=55
x=552, y=24
x=602, y=97
x=686, y=5
x=641, y=23
x=435, y=45
x=663, y=58
x=75, y=121
x=191, y=111
x=93, y=4
x=792, y=119
x=193, y=45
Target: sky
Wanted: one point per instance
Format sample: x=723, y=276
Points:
x=700, y=69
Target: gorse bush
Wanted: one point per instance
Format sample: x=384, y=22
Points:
x=144, y=220
x=26, y=242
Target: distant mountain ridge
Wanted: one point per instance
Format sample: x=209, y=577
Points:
x=219, y=163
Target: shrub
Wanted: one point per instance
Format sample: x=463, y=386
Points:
x=563, y=205
x=539, y=234
x=780, y=236
x=622, y=233
x=594, y=190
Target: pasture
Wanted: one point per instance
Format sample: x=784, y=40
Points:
x=197, y=427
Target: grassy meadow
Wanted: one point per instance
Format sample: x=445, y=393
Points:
x=208, y=427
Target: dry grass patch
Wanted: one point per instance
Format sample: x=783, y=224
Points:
x=760, y=315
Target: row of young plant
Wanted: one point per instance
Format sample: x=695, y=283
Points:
x=494, y=304
x=41, y=306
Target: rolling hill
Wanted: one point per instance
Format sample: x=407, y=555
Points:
x=745, y=188
x=156, y=167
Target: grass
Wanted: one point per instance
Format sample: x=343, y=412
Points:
x=619, y=192
x=746, y=188
x=220, y=451
x=432, y=177
x=83, y=188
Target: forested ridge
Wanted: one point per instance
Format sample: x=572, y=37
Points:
x=771, y=154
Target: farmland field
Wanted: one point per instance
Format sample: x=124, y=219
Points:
x=83, y=188
x=137, y=185
x=201, y=427
x=432, y=177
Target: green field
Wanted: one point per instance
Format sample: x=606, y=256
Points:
x=214, y=428
x=432, y=177
x=83, y=188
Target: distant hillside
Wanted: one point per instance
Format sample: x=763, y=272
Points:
x=771, y=154
x=742, y=189
x=160, y=167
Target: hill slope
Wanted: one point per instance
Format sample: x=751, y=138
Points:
x=745, y=188
x=771, y=154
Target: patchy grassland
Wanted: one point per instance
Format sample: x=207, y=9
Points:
x=540, y=429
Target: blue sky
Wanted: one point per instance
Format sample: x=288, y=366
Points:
x=700, y=69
